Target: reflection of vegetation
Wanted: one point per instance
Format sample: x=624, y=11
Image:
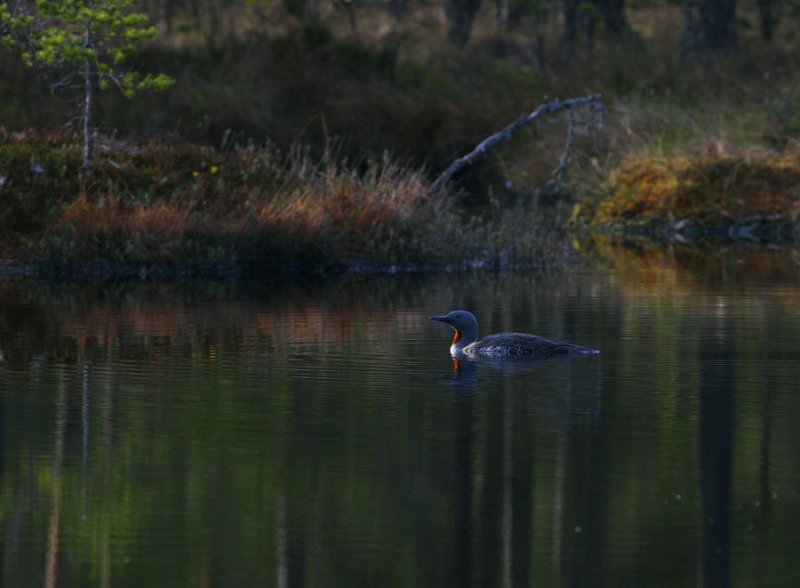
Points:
x=647, y=263
x=228, y=433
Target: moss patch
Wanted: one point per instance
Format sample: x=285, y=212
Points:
x=707, y=191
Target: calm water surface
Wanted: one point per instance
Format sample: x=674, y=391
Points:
x=318, y=433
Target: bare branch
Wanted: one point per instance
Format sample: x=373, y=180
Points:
x=596, y=119
x=65, y=82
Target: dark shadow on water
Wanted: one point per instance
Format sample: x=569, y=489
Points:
x=716, y=460
x=581, y=376
x=496, y=468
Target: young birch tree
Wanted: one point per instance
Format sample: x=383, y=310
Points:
x=87, y=41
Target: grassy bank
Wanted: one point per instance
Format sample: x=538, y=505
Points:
x=180, y=207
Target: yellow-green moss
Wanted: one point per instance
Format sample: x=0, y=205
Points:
x=704, y=190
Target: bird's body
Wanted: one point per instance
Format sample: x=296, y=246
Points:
x=466, y=342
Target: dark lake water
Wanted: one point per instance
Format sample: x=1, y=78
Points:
x=317, y=432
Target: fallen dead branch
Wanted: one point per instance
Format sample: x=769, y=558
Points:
x=595, y=119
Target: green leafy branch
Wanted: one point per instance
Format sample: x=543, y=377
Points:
x=91, y=39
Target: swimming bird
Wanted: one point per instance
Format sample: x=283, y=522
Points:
x=466, y=342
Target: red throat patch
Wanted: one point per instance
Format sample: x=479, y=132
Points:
x=457, y=337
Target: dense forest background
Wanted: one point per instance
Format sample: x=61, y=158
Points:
x=426, y=80
x=707, y=24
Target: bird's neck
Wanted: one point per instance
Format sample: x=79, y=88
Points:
x=461, y=339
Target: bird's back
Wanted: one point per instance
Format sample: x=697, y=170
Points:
x=524, y=344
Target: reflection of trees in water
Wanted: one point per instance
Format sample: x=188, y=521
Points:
x=526, y=473
x=526, y=489
x=71, y=321
x=68, y=321
x=54, y=533
x=716, y=424
x=653, y=265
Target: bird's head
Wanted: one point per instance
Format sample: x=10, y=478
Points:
x=463, y=323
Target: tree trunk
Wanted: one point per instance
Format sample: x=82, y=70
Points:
x=719, y=24
x=169, y=14
x=710, y=26
x=351, y=19
x=90, y=73
x=767, y=19
x=515, y=15
x=538, y=37
x=612, y=15
x=398, y=9
x=296, y=8
x=460, y=17
x=569, y=33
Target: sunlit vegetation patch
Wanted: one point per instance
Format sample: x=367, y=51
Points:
x=252, y=208
x=705, y=191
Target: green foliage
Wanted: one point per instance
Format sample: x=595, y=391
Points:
x=89, y=39
x=80, y=37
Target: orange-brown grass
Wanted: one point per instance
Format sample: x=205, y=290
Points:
x=110, y=229
x=706, y=190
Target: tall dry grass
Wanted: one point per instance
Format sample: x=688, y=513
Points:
x=250, y=209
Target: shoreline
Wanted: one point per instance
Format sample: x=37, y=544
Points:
x=655, y=236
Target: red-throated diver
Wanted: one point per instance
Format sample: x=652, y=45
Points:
x=466, y=342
